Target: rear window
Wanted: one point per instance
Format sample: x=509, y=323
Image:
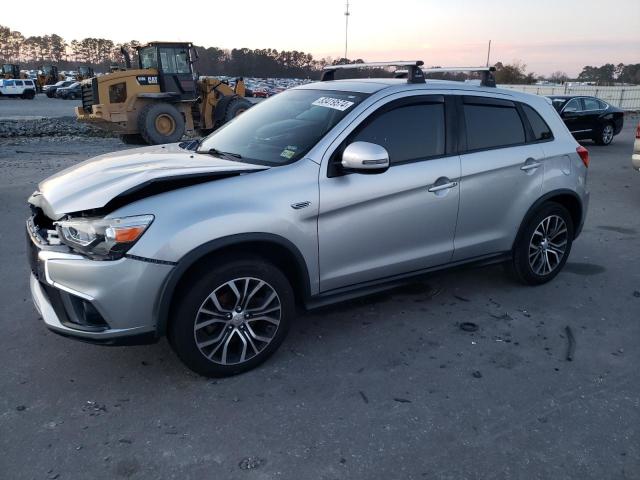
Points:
x=541, y=130
x=408, y=133
x=491, y=126
x=593, y=104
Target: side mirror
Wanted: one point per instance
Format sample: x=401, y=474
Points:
x=365, y=157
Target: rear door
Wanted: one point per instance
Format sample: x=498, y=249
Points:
x=378, y=226
x=501, y=175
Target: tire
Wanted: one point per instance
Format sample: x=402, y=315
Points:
x=28, y=94
x=196, y=299
x=604, y=136
x=160, y=123
x=236, y=107
x=132, y=139
x=530, y=252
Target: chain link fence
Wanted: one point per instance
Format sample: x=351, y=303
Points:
x=627, y=98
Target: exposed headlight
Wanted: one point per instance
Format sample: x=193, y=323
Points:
x=107, y=238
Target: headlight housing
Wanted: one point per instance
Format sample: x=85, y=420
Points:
x=103, y=238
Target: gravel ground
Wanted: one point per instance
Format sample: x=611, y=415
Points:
x=383, y=387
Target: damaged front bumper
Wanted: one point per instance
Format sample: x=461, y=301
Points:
x=108, y=302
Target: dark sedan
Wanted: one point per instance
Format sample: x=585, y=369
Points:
x=71, y=92
x=589, y=117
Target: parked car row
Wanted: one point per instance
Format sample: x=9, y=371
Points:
x=65, y=89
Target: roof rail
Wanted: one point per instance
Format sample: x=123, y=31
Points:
x=414, y=72
x=487, y=78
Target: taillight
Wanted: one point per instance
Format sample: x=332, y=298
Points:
x=584, y=155
x=638, y=131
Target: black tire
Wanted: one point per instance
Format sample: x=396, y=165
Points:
x=132, y=139
x=197, y=292
x=28, y=94
x=236, y=107
x=49, y=94
x=604, y=134
x=527, y=247
x=148, y=123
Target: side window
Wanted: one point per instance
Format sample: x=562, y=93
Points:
x=19, y=83
x=573, y=105
x=492, y=126
x=541, y=130
x=591, y=104
x=8, y=83
x=603, y=105
x=408, y=133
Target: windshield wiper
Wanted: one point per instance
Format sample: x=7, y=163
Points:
x=218, y=153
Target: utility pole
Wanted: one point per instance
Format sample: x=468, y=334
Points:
x=346, y=28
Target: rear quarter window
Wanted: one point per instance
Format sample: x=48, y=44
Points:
x=492, y=126
x=541, y=130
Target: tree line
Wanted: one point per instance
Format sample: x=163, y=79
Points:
x=34, y=51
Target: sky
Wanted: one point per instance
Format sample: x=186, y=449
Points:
x=546, y=35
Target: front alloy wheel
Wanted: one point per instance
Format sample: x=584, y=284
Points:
x=230, y=317
x=237, y=321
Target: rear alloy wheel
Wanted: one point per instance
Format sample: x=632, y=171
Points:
x=232, y=319
x=543, y=247
x=605, y=136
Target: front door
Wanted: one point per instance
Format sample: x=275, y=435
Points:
x=374, y=227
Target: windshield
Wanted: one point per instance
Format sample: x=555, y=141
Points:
x=558, y=103
x=282, y=129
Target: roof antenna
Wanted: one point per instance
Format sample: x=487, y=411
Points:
x=346, y=28
x=488, y=53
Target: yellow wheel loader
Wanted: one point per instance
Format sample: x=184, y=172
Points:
x=162, y=99
x=10, y=70
x=49, y=76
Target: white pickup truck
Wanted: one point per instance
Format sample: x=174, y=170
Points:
x=23, y=88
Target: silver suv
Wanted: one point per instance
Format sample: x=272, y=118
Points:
x=325, y=192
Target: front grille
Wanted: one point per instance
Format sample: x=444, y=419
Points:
x=89, y=94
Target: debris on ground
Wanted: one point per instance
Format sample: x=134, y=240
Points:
x=477, y=374
x=249, y=463
x=365, y=399
x=401, y=400
x=469, y=326
x=461, y=298
x=636, y=293
x=571, y=343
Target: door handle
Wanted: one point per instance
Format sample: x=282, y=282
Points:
x=530, y=164
x=444, y=186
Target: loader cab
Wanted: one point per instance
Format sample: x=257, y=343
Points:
x=50, y=74
x=174, y=65
x=85, y=72
x=10, y=71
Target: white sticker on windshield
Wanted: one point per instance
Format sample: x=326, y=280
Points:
x=335, y=103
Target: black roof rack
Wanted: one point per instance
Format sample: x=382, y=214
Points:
x=414, y=73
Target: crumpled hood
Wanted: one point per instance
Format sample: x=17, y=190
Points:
x=95, y=182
